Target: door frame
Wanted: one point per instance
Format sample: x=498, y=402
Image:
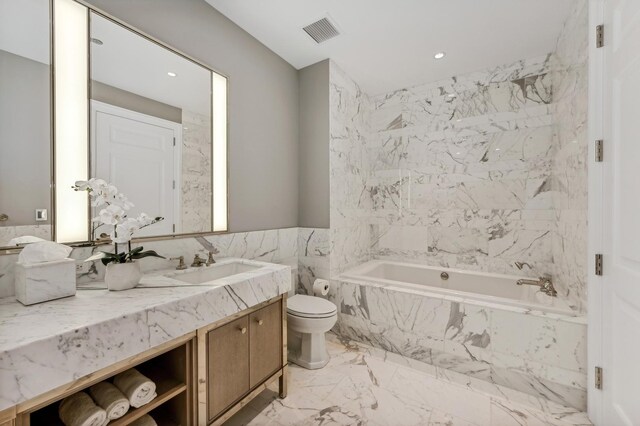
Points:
x=596, y=228
x=103, y=107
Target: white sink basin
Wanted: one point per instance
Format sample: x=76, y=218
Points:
x=206, y=274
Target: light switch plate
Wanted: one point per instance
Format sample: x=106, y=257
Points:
x=41, y=215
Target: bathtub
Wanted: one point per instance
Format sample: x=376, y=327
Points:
x=458, y=285
x=478, y=325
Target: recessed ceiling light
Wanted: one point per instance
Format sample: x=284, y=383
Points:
x=440, y=55
x=452, y=95
x=172, y=74
x=459, y=120
x=497, y=149
x=97, y=41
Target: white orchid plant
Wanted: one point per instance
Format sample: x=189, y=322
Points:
x=112, y=207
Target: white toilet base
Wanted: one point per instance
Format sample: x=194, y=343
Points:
x=308, y=350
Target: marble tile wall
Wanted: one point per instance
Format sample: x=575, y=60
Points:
x=9, y=232
x=461, y=171
x=350, y=234
x=276, y=246
x=569, y=77
x=313, y=257
x=196, y=175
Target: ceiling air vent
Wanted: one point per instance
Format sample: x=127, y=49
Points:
x=321, y=30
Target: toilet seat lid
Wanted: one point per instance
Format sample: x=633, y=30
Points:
x=310, y=306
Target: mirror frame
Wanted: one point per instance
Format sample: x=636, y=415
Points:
x=55, y=124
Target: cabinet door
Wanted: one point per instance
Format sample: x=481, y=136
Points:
x=228, y=365
x=265, y=353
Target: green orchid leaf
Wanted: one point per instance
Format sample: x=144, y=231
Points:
x=148, y=253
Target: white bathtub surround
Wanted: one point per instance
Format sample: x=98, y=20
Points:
x=48, y=345
x=569, y=77
x=275, y=246
x=537, y=350
x=366, y=386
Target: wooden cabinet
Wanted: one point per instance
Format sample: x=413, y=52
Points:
x=228, y=375
x=239, y=358
x=227, y=363
x=265, y=343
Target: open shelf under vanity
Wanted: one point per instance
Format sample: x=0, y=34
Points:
x=171, y=369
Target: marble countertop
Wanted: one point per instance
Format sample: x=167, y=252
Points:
x=48, y=345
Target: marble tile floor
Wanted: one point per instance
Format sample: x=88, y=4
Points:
x=366, y=386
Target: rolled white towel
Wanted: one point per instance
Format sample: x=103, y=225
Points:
x=145, y=420
x=110, y=398
x=80, y=410
x=137, y=388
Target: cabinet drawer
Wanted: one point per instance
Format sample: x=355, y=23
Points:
x=265, y=353
x=228, y=365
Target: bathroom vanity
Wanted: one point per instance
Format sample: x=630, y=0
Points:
x=210, y=347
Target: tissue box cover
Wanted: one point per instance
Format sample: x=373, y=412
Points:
x=39, y=282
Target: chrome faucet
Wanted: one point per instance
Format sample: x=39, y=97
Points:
x=197, y=261
x=521, y=265
x=545, y=284
x=210, y=259
x=181, y=264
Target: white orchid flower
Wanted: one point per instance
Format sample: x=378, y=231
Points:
x=111, y=215
x=144, y=219
x=122, y=201
x=121, y=238
x=125, y=231
x=104, y=195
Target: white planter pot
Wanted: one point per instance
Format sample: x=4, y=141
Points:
x=122, y=276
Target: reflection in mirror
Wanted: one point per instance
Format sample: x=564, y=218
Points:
x=150, y=129
x=25, y=122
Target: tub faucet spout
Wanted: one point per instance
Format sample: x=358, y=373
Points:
x=545, y=284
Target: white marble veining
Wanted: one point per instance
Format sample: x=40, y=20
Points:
x=48, y=345
x=195, y=202
x=537, y=353
x=569, y=77
x=313, y=257
x=45, y=281
x=366, y=386
x=474, y=172
x=275, y=246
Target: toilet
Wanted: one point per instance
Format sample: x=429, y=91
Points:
x=308, y=319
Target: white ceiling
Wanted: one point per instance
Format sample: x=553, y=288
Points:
x=130, y=62
x=389, y=44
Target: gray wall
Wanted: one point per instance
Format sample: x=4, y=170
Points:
x=263, y=114
x=127, y=100
x=25, y=139
x=313, y=157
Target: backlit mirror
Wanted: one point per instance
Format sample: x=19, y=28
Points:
x=151, y=128
x=25, y=122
